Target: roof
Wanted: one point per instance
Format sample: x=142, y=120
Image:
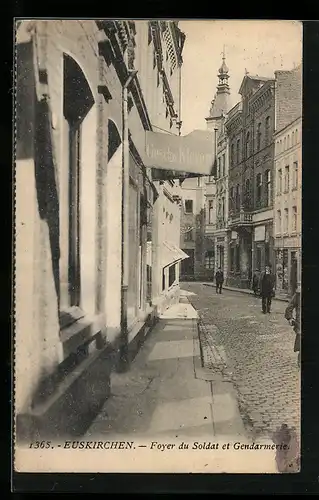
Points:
x=255, y=78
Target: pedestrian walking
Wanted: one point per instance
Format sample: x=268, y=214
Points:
x=219, y=279
x=255, y=286
x=267, y=289
x=292, y=314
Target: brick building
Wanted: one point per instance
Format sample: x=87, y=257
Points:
x=81, y=109
x=288, y=176
x=250, y=126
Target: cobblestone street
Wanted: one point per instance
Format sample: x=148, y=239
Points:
x=254, y=351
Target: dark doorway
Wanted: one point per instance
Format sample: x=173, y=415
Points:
x=187, y=265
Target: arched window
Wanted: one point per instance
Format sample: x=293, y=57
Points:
x=77, y=102
x=293, y=138
x=238, y=151
x=296, y=136
x=258, y=136
x=247, y=146
x=288, y=141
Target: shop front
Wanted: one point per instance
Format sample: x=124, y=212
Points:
x=239, y=258
x=262, y=248
x=287, y=265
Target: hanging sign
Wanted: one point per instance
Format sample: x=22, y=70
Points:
x=192, y=153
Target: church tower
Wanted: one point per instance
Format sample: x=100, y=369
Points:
x=221, y=103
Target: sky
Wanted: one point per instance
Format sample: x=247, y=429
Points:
x=260, y=47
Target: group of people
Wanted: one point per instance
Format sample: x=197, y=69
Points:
x=263, y=285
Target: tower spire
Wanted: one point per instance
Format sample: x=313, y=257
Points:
x=220, y=103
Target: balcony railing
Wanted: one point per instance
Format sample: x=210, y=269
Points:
x=243, y=218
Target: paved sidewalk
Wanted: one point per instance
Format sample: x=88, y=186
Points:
x=166, y=389
x=166, y=396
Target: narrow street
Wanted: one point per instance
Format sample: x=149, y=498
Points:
x=255, y=351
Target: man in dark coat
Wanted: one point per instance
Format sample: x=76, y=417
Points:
x=295, y=305
x=219, y=278
x=267, y=289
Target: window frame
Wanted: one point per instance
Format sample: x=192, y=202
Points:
x=192, y=206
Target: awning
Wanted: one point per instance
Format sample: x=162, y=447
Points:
x=170, y=254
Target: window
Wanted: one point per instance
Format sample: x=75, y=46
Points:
x=247, y=149
x=232, y=201
x=218, y=168
x=286, y=216
x=295, y=175
x=285, y=143
x=259, y=182
x=258, y=258
x=288, y=141
x=280, y=148
x=278, y=221
x=258, y=136
x=247, y=193
x=279, y=182
x=237, y=197
x=268, y=187
x=199, y=181
x=77, y=102
x=286, y=179
x=294, y=219
x=224, y=164
x=296, y=136
x=189, y=206
x=223, y=209
x=209, y=260
x=232, y=154
x=171, y=275
x=293, y=138
x=238, y=151
x=74, y=219
x=188, y=236
x=210, y=211
x=267, y=130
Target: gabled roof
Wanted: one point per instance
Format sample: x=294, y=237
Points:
x=254, y=78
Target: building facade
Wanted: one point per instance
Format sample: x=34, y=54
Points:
x=288, y=177
x=222, y=202
x=205, y=199
x=250, y=127
x=90, y=276
x=192, y=237
x=287, y=207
